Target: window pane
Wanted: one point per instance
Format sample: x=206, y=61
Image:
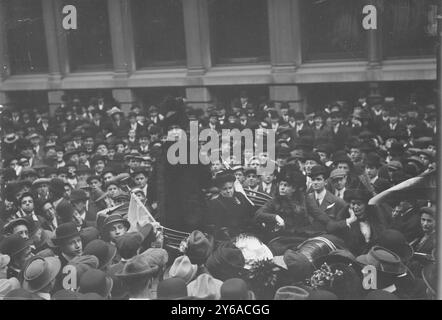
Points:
x=159, y=32
x=25, y=36
x=332, y=29
x=90, y=45
x=409, y=27
x=240, y=30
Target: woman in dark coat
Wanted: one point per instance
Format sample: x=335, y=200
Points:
x=286, y=213
x=230, y=213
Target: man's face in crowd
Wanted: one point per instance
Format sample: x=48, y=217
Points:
x=140, y=180
x=102, y=150
x=82, y=157
x=113, y=190
x=117, y=230
x=267, y=177
x=27, y=204
x=140, y=195
x=35, y=141
x=99, y=166
x=371, y=171
x=27, y=152
x=239, y=175
x=80, y=206
x=144, y=141
x=424, y=158
x=318, y=183
x=393, y=119
x=343, y=166
x=358, y=208
x=427, y=222
x=133, y=163
x=318, y=121
x=60, y=156
x=227, y=190
x=252, y=180
x=339, y=183
x=120, y=148
x=48, y=210
x=323, y=156
x=73, y=247
x=63, y=176
x=108, y=176
x=255, y=164
x=96, y=184
x=355, y=154
x=131, y=134
x=22, y=230
x=309, y=164
x=89, y=143
x=217, y=166
x=43, y=189
x=335, y=120
x=111, y=153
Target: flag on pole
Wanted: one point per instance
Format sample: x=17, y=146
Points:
x=138, y=215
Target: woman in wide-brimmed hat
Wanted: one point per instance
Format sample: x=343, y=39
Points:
x=358, y=224
x=286, y=213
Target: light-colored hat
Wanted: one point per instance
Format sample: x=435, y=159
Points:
x=7, y=285
x=337, y=173
x=205, y=287
x=40, y=272
x=182, y=268
x=291, y=293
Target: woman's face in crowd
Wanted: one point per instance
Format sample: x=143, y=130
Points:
x=27, y=204
x=285, y=189
x=358, y=208
x=227, y=190
x=117, y=230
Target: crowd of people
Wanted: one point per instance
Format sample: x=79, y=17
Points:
x=226, y=230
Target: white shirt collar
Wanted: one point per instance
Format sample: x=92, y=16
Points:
x=320, y=196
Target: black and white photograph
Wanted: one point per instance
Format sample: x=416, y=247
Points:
x=200, y=150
